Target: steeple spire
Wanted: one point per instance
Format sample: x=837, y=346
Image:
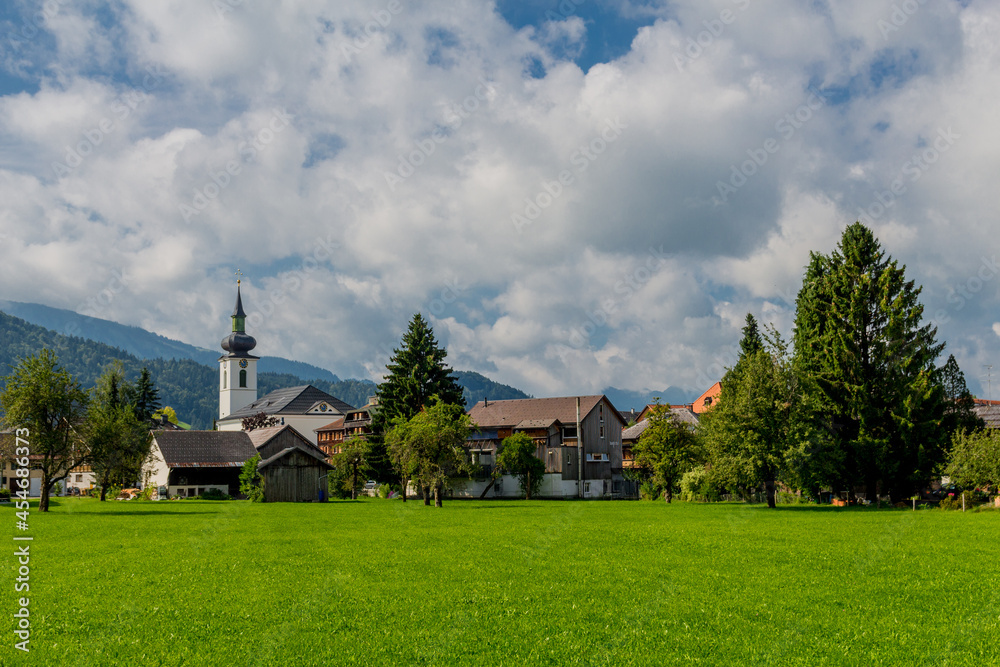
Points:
x=238, y=343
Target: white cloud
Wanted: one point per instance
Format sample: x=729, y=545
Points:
x=446, y=91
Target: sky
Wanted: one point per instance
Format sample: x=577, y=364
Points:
x=577, y=194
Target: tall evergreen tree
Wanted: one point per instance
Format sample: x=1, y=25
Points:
x=959, y=413
x=145, y=397
x=859, y=336
x=752, y=342
x=417, y=373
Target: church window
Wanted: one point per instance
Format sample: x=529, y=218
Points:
x=224, y=379
x=243, y=378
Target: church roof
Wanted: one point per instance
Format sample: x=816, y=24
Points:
x=292, y=401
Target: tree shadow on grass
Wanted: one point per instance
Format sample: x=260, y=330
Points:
x=138, y=513
x=831, y=508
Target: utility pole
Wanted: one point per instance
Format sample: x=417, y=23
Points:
x=989, y=380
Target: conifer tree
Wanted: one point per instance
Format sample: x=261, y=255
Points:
x=860, y=339
x=959, y=407
x=145, y=398
x=417, y=373
x=751, y=342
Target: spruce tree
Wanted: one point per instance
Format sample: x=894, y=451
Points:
x=960, y=406
x=859, y=336
x=417, y=373
x=145, y=397
x=751, y=343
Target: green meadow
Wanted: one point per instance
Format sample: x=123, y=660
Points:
x=380, y=582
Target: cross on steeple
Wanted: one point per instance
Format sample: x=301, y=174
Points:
x=239, y=276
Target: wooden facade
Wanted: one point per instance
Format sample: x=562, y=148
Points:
x=293, y=476
x=551, y=424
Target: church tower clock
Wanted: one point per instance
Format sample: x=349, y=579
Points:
x=237, y=368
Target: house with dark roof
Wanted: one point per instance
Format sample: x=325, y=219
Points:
x=578, y=438
x=190, y=463
x=305, y=408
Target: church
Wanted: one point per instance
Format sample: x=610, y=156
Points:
x=304, y=408
x=191, y=463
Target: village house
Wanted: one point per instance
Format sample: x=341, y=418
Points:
x=356, y=423
x=578, y=438
x=703, y=403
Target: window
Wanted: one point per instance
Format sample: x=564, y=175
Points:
x=708, y=401
x=586, y=487
x=602, y=431
x=597, y=457
x=243, y=378
x=569, y=432
x=223, y=379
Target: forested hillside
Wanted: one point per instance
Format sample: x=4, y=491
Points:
x=189, y=387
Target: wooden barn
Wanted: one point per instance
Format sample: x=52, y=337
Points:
x=294, y=475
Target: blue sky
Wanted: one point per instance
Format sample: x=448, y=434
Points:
x=577, y=195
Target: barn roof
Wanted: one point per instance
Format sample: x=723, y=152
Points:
x=284, y=452
x=262, y=436
x=291, y=401
x=513, y=412
x=204, y=449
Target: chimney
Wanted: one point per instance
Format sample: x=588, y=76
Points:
x=486, y=401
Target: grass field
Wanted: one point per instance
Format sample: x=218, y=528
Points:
x=506, y=583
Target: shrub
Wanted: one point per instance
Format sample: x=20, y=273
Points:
x=650, y=491
x=4, y=494
x=251, y=483
x=215, y=494
x=699, y=484
x=954, y=501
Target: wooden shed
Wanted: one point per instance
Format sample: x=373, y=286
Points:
x=293, y=474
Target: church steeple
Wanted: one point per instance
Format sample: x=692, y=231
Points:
x=238, y=368
x=239, y=317
x=238, y=343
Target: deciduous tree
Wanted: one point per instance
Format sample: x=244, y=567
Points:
x=46, y=400
x=666, y=450
x=352, y=463
x=429, y=448
x=118, y=440
x=517, y=457
x=974, y=460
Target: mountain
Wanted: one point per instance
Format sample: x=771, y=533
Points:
x=145, y=344
x=191, y=388
x=623, y=399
